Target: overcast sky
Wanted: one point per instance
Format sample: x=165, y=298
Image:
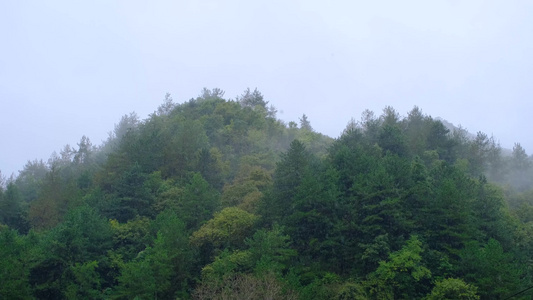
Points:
x=73, y=68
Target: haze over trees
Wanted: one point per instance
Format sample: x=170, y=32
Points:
x=218, y=199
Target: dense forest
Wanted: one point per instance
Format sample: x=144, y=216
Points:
x=219, y=199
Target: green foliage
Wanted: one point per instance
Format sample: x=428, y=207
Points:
x=65, y=255
x=305, y=124
x=226, y=264
x=252, y=99
x=130, y=238
x=453, y=289
x=162, y=267
x=198, y=203
x=247, y=190
x=446, y=214
x=323, y=287
x=133, y=196
x=30, y=179
x=83, y=236
x=400, y=276
x=352, y=291
x=14, y=269
x=55, y=198
x=289, y=174
x=218, y=197
x=391, y=139
x=227, y=229
x=86, y=283
x=270, y=250
x=12, y=211
x=187, y=139
x=495, y=272
x=138, y=279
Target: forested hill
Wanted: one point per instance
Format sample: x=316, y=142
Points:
x=218, y=199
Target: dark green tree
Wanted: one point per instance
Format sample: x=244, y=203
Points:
x=14, y=271
x=12, y=212
x=67, y=256
x=131, y=196
x=288, y=176
x=198, y=203
x=162, y=269
x=490, y=268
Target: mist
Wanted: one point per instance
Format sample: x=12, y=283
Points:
x=71, y=69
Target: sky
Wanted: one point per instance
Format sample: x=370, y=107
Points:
x=73, y=68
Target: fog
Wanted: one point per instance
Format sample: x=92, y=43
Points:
x=69, y=69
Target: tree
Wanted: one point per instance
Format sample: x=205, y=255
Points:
x=439, y=139
x=162, y=269
x=133, y=198
x=131, y=238
x=392, y=139
x=490, y=215
x=270, y=250
x=305, y=124
x=446, y=218
x=2, y=180
x=398, y=277
x=252, y=99
x=424, y=135
x=138, y=281
x=212, y=94
x=14, y=271
x=311, y=224
x=481, y=149
x=390, y=116
x=226, y=230
x=288, y=176
x=30, y=179
x=494, y=271
x=167, y=106
x=453, y=289
x=209, y=166
x=172, y=241
x=218, y=197
x=247, y=190
x=128, y=123
x=54, y=199
x=186, y=139
x=12, y=213
x=86, y=283
x=370, y=125
x=65, y=257
x=519, y=159
x=198, y=203
x=268, y=253
x=85, y=148
x=520, y=166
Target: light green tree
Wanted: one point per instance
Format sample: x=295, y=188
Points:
x=227, y=229
x=453, y=289
x=397, y=277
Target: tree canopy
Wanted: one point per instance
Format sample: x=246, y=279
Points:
x=216, y=198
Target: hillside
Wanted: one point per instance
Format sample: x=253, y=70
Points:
x=218, y=199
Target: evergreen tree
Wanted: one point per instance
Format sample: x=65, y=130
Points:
x=12, y=211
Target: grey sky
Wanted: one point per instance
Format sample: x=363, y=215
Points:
x=73, y=68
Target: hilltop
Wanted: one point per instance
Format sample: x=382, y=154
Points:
x=215, y=198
